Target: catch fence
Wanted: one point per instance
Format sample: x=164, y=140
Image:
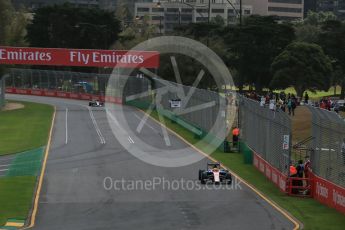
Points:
x=327, y=157
x=267, y=133
x=201, y=111
x=64, y=81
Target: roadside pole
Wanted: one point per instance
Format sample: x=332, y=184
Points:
x=2, y=91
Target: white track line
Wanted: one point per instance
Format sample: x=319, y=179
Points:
x=66, y=127
x=145, y=123
x=2, y=170
x=101, y=138
x=112, y=118
x=130, y=140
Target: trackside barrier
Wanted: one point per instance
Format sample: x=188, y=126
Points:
x=197, y=131
x=61, y=94
x=301, y=187
x=328, y=193
x=273, y=174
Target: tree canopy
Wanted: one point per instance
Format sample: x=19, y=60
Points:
x=254, y=46
x=12, y=26
x=303, y=66
x=71, y=27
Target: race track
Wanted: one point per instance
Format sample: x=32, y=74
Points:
x=84, y=152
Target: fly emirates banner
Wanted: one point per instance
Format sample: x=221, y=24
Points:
x=78, y=57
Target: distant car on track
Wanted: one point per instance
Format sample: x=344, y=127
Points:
x=215, y=174
x=96, y=104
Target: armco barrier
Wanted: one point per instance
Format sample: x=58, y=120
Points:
x=61, y=94
x=329, y=193
x=273, y=174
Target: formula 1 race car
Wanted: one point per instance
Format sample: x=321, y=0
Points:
x=96, y=104
x=215, y=174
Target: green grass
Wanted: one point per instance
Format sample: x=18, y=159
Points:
x=311, y=213
x=21, y=130
x=316, y=95
x=15, y=197
x=24, y=129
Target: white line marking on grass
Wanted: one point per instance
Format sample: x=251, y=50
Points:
x=4, y=165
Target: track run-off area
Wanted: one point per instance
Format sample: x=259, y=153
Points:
x=88, y=181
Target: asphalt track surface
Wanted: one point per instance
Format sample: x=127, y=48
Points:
x=74, y=196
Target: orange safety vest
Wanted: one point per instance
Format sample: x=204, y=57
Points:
x=236, y=132
x=293, y=170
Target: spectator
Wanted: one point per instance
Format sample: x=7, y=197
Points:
x=306, y=174
x=300, y=169
x=289, y=105
x=328, y=104
x=322, y=104
x=283, y=107
x=306, y=98
x=262, y=102
x=306, y=167
x=283, y=96
x=235, y=135
x=293, y=174
x=293, y=105
x=336, y=107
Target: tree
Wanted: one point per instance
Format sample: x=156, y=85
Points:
x=12, y=26
x=254, y=46
x=139, y=31
x=307, y=33
x=331, y=39
x=317, y=18
x=310, y=28
x=303, y=66
x=66, y=26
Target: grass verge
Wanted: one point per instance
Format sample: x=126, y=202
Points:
x=317, y=94
x=21, y=130
x=16, y=197
x=24, y=129
x=312, y=214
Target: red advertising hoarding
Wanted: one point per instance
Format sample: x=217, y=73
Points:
x=329, y=193
x=273, y=174
x=78, y=57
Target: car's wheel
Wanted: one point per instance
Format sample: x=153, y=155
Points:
x=202, y=178
x=90, y=104
x=200, y=174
